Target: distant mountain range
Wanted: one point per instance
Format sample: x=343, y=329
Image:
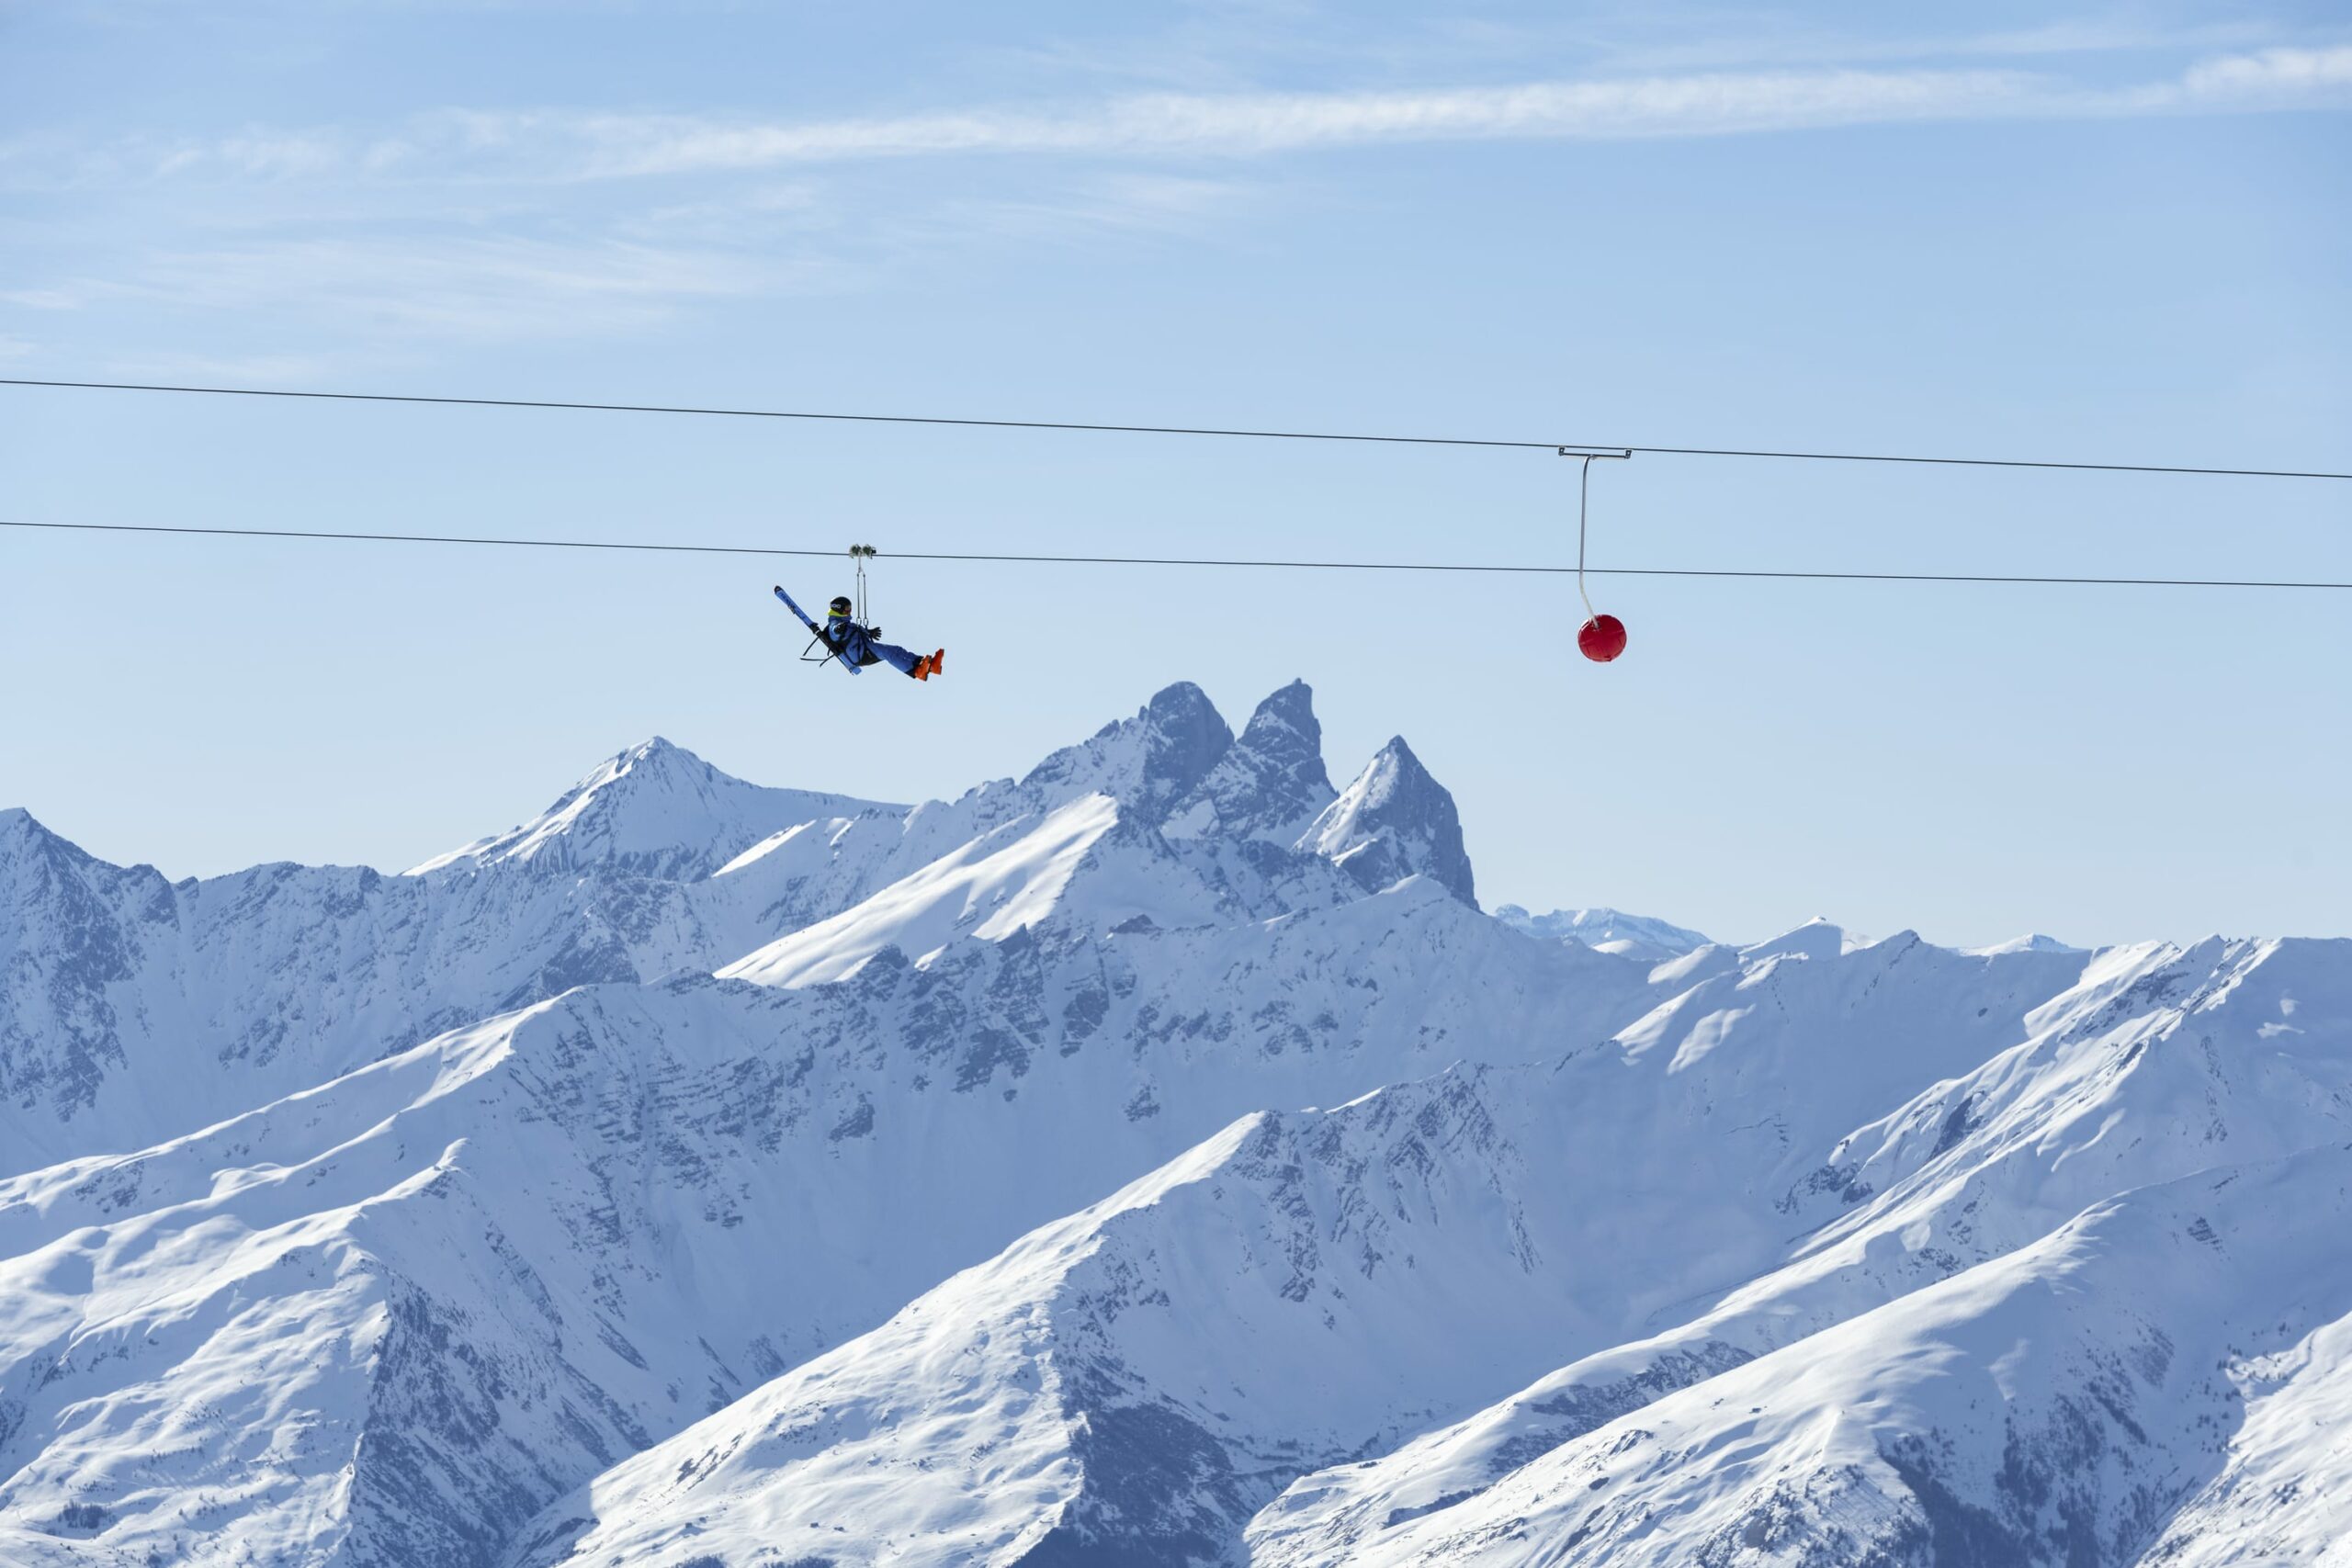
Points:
x=1608, y=931
x=1155, y=1160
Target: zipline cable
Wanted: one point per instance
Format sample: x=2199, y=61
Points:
x=1564, y=449
x=1195, y=560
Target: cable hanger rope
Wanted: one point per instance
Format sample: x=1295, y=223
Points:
x=1567, y=449
x=1578, y=570
x=1584, y=507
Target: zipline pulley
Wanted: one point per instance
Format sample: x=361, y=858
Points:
x=1601, y=637
x=860, y=555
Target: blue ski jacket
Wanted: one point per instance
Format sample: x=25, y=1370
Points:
x=851, y=643
x=848, y=642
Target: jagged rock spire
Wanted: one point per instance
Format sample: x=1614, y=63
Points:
x=1393, y=822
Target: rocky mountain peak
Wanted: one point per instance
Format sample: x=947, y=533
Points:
x=1394, y=822
x=1147, y=762
x=655, y=810
x=1270, y=784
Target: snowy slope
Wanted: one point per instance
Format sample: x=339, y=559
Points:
x=656, y=810
x=1610, y=931
x=1394, y=821
x=999, y=884
x=283, y=976
x=117, y=982
x=700, y=1162
x=2032, y=942
x=2059, y=1403
x=2283, y=1492
x=530, y=1212
x=2160, y=1063
x=1129, y=1385
x=501, y=1230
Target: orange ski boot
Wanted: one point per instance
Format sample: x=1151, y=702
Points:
x=939, y=662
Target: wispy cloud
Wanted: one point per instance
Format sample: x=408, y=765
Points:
x=1764, y=39
x=2281, y=76
x=41, y=298
x=1262, y=124
x=571, y=146
x=477, y=288
x=1706, y=104
x=1229, y=49
x=498, y=225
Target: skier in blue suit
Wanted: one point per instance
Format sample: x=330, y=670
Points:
x=858, y=647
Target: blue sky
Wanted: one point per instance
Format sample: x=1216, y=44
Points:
x=2117, y=234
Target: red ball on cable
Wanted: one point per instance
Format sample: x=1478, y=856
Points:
x=1601, y=638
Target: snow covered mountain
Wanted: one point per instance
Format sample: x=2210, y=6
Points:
x=2159, y=1080
x=136, y=1009
x=656, y=810
x=1393, y=821
x=1610, y=931
x=653, y=864
x=716, y=1176
x=2057, y=1403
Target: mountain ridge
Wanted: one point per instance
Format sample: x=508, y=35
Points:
x=498, y=1215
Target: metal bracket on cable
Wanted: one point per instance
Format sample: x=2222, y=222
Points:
x=861, y=554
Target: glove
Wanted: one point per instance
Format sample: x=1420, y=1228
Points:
x=874, y=631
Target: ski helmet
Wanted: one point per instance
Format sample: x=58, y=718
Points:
x=841, y=604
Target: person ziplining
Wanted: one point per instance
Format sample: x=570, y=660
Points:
x=847, y=638
x=858, y=646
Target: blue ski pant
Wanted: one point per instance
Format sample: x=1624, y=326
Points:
x=897, y=658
